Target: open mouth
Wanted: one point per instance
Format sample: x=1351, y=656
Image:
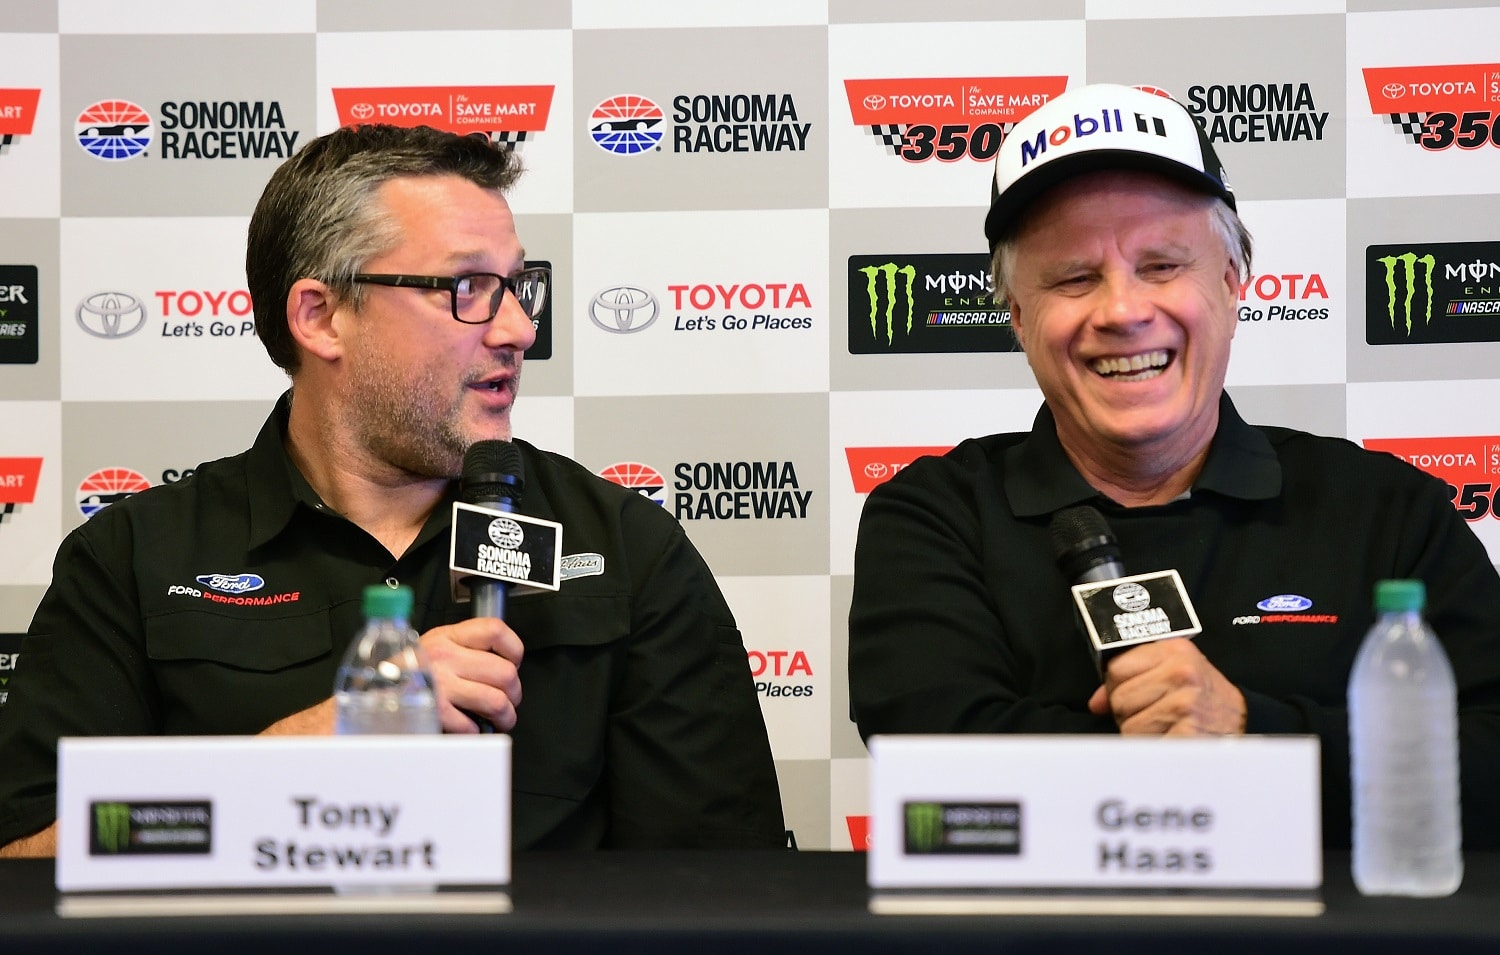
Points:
x=1133, y=367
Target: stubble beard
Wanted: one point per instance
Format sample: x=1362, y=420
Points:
x=409, y=424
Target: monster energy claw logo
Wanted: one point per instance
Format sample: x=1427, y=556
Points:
x=1409, y=261
x=924, y=826
x=890, y=270
x=112, y=825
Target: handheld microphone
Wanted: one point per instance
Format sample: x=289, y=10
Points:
x=492, y=478
x=1116, y=611
x=1085, y=547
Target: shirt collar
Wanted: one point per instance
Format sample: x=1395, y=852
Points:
x=277, y=490
x=275, y=486
x=1039, y=478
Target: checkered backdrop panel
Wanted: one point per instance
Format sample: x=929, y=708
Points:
x=765, y=220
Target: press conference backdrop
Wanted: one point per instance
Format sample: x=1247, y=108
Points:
x=765, y=222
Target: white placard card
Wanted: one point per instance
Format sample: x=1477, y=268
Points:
x=1098, y=812
x=282, y=812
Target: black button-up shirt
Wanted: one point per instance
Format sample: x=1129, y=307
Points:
x=962, y=622
x=639, y=724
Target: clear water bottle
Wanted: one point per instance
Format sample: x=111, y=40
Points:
x=384, y=684
x=1403, y=735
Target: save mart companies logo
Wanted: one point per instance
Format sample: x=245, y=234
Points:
x=507, y=115
x=948, y=119
x=925, y=303
x=1438, y=107
x=1433, y=292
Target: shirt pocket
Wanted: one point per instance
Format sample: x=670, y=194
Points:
x=263, y=646
x=227, y=675
x=575, y=646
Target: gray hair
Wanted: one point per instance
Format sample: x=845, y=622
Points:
x=1224, y=221
x=318, y=217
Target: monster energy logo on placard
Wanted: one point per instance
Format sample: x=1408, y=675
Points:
x=946, y=828
x=890, y=270
x=924, y=303
x=924, y=827
x=1432, y=292
x=1409, y=260
x=111, y=826
x=155, y=827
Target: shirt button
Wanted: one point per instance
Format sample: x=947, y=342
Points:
x=392, y=583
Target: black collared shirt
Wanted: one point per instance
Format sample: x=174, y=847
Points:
x=639, y=724
x=962, y=622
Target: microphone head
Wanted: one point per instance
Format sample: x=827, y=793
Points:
x=1082, y=540
x=492, y=472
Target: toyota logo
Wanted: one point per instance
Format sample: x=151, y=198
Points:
x=875, y=470
x=624, y=310
x=874, y=101
x=362, y=111
x=506, y=533
x=1393, y=90
x=111, y=315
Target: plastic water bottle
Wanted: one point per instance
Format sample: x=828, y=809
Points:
x=1403, y=734
x=384, y=684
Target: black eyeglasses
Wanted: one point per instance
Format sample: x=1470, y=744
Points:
x=476, y=296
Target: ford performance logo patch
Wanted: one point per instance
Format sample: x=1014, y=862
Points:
x=232, y=583
x=1284, y=603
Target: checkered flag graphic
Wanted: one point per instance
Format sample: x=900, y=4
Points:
x=893, y=135
x=508, y=140
x=5, y=143
x=6, y=510
x=1409, y=125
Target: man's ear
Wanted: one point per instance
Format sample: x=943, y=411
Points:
x=310, y=310
x=1017, y=326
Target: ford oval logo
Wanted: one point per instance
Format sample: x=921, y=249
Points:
x=232, y=583
x=1284, y=603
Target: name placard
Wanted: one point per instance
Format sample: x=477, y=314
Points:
x=259, y=812
x=1095, y=812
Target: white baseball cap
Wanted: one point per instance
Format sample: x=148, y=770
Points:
x=1103, y=126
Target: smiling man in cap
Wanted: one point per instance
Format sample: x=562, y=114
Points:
x=1116, y=241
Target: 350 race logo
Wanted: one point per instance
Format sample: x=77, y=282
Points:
x=947, y=119
x=1468, y=465
x=1438, y=107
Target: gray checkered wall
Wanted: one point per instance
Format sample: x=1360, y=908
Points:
x=765, y=219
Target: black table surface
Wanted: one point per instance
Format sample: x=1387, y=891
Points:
x=767, y=902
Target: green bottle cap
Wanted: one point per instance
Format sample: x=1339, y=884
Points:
x=387, y=602
x=1399, y=596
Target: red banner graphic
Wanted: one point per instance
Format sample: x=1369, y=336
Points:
x=1468, y=464
x=455, y=109
x=18, y=479
x=18, y=111
x=871, y=467
x=936, y=101
x=1424, y=89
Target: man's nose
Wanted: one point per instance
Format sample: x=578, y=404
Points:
x=510, y=327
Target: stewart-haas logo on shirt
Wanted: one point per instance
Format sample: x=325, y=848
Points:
x=231, y=588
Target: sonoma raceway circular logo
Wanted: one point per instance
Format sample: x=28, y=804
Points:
x=626, y=125
x=114, y=130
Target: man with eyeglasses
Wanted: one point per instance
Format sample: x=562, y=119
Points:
x=389, y=283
